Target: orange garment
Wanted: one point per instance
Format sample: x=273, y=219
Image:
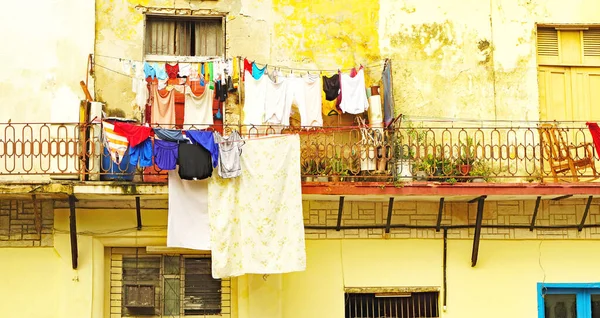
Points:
x=163, y=108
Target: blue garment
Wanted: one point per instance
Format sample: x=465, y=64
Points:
x=142, y=153
x=205, y=139
x=161, y=73
x=173, y=135
x=149, y=71
x=388, y=94
x=257, y=72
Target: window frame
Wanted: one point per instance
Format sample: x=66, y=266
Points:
x=182, y=58
x=582, y=291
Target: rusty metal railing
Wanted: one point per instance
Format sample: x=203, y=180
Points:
x=409, y=151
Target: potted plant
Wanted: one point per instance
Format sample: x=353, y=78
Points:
x=467, y=155
x=481, y=171
x=404, y=160
x=309, y=170
x=336, y=168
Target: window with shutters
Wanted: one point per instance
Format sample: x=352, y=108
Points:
x=165, y=286
x=568, y=45
x=184, y=36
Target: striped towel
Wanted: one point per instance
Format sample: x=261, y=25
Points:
x=115, y=143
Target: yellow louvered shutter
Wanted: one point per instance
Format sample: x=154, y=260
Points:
x=547, y=46
x=591, y=46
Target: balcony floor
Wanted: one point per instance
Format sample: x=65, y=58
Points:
x=353, y=191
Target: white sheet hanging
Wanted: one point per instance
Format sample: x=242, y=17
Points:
x=256, y=219
x=188, y=225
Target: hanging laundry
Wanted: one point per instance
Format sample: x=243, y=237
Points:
x=595, y=131
x=173, y=135
x=375, y=111
x=310, y=115
x=126, y=67
x=247, y=67
x=276, y=104
x=141, y=153
x=172, y=70
x=331, y=86
x=161, y=73
x=258, y=72
x=205, y=139
x=188, y=220
x=195, y=162
x=255, y=94
x=140, y=88
x=235, y=76
x=354, y=93
x=230, y=151
x=198, y=109
x=256, y=221
x=115, y=143
x=388, y=93
x=149, y=71
x=185, y=70
x=135, y=134
x=272, y=75
x=163, y=108
x=220, y=91
x=165, y=154
x=192, y=73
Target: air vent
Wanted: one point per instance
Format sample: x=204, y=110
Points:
x=547, y=42
x=591, y=42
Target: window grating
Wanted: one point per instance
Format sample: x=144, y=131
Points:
x=547, y=42
x=591, y=42
x=409, y=305
x=165, y=286
x=184, y=37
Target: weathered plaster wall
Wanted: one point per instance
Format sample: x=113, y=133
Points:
x=44, y=56
x=463, y=59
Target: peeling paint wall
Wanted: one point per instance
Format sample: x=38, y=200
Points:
x=44, y=56
x=457, y=59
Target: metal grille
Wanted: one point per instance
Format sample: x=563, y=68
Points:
x=409, y=305
x=165, y=286
x=184, y=37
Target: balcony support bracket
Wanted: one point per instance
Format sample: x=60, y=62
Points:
x=439, y=217
x=338, y=227
x=535, y=212
x=389, y=215
x=585, y=213
x=477, y=235
x=138, y=213
x=73, y=231
x=562, y=197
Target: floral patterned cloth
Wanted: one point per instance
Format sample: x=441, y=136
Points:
x=256, y=221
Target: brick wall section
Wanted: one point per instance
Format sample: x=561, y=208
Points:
x=18, y=223
x=565, y=212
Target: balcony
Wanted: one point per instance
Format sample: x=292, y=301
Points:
x=411, y=157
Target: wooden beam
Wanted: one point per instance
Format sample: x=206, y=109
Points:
x=585, y=213
x=535, y=212
x=389, y=216
x=340, y=210
x=138, y=212
x=477, y=235
x=439, y=217
x=73, y=231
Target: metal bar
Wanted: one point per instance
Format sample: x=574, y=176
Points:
x=562, y=197
x=439, y=217
x=477, y=235
x=585, y=213
x=73, y=231
x=339, y=218
x=444, y=260
x=477, y=199
x=535, y=212
x=389, y=216
x=138, y=212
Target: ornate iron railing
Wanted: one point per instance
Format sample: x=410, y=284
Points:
x=408, y=151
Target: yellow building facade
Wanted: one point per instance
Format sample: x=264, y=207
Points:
x=462, y=59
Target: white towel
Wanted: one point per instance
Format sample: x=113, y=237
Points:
x=256, y=219
x=188, y=213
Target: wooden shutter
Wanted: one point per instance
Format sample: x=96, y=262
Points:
x=547, y=39
x=591, y=42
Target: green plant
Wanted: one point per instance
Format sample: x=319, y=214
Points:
x=309, y=167
x=337, y=167
x=468, y=151
x=483, y=170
